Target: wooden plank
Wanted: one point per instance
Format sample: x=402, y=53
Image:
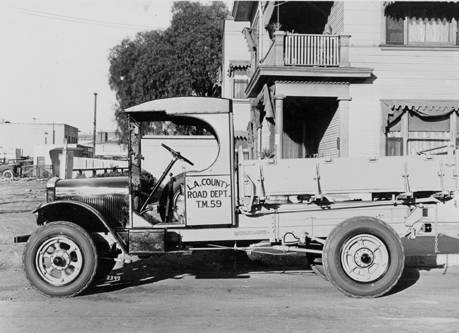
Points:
x=354, y=175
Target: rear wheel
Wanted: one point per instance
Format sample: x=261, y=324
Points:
x=8, y=173
x=363, y=257
x=60, y=259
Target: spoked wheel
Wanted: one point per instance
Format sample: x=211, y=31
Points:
x=178, y=205
x=172, y=202
x=8, y=174
x=60, y=259
x=363, y=257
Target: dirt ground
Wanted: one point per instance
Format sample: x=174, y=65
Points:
x=211, y=293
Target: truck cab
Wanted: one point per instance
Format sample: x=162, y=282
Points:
x=207, y=184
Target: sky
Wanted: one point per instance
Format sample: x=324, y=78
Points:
x=54, y=56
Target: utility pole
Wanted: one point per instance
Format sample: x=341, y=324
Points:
x=94, y=130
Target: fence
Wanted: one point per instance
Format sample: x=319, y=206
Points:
x=93, y=163
x=90, y=167
x=36, y=171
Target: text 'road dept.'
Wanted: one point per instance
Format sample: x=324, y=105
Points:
x=208, y=192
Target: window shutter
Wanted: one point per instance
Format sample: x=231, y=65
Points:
x=394, y=146
x=394, y=30
x=239, y=86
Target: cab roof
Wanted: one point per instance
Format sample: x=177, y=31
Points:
x=180, y=106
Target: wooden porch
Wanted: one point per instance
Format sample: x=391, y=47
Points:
x=290, y=49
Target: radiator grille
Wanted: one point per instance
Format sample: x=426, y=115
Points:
x=113, y=207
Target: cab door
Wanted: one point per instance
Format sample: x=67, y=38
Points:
x=209, y=198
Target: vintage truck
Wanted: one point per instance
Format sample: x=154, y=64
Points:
x=350, y=212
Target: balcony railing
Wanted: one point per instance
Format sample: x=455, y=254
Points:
x=311, y=50
x=308, y=50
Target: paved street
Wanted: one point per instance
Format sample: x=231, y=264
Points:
x=139, y=298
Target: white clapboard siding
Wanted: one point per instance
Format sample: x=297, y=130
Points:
x=399, y=73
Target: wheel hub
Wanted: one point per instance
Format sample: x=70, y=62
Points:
x=59, y=260
x=364, y=258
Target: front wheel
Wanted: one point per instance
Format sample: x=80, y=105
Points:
x=8, y=174
x=363, y=257
x=60, y=259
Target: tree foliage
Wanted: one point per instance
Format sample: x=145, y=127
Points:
x=183, y=60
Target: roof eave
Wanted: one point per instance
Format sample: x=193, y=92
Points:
x=263, y=73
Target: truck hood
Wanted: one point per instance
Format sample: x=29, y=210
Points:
x=92, y=186
x=108, y=195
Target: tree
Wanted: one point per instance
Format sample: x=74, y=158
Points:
x=183, y=60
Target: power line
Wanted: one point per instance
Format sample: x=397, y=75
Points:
x=79, y=19
x=82, y=20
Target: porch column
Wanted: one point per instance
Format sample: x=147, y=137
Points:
x=257, y=144
x=343, y=109
x=278, y=46
x=452, y=132
x=279, y=130
x=405, y=132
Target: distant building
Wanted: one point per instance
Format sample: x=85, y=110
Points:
x=21, y=138
x=107, y=144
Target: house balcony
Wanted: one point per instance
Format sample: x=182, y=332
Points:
x=308, y=50
x=306, y=57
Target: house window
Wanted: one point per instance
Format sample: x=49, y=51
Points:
x=421, y=31
x=394, y=30
x=239, y=86
x=394, y=146
x=415, y=127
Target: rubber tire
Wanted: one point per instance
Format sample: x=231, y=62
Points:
x=170, y=191
x=319, y=271
x=8, y=174
x=88, y=250
x=105, y=258
x=332, y=258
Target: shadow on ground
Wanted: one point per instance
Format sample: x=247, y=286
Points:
x=237, y=265
x=202, y=265
x=409, y=277
x=223, y=265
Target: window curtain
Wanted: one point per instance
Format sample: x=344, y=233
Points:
x=422, y=30
x=426, y=22
x=428, y=111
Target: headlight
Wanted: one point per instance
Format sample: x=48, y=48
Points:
x=50, y=194
x=51, y=189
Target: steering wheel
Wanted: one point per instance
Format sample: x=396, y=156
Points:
x=177, y=154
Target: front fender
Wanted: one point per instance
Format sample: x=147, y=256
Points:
x=79, y=213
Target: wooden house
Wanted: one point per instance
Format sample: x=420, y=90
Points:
x=344, y=78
